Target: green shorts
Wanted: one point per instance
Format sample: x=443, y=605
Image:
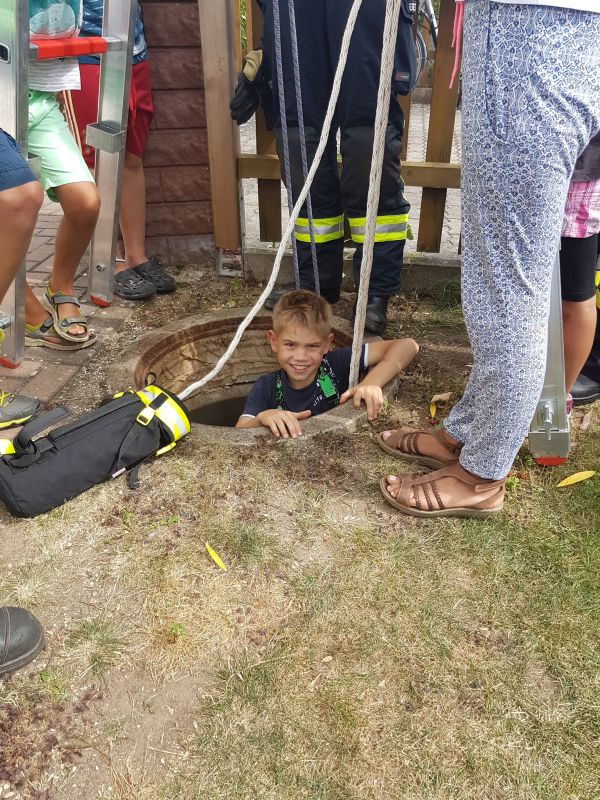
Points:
x=51, y=140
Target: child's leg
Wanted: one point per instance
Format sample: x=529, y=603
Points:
x=67, y=179
x=19, y=208
x=81, y=205
x=579, y=325
x=35, y=313
x=20, y=199
x=578, y=254
x=133, y=212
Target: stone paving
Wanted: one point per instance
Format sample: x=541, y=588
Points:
x=44, y=373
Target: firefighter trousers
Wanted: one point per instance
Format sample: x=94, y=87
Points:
x=320, y=26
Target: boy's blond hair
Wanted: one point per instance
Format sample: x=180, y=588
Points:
x=304, y=309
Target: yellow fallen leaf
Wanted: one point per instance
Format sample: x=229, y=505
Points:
x=215, y=557
x=432, y=409
x=441, y=398
x=576, y=478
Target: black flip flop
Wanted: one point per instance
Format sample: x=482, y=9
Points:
x=130, y=285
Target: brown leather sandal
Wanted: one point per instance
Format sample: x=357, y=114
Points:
x=404, y=443
x=428, y=502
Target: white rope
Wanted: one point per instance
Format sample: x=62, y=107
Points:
x=335, y=91
x=381, y=122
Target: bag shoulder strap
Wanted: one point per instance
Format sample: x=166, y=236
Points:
x=37, y=425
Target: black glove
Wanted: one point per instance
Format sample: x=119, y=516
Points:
x=251, y=91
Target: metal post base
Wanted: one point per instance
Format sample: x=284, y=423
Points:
x=6, y=321
x=229, y=264
x=549, y=440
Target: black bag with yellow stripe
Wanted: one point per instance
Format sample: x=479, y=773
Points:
x=38, y=474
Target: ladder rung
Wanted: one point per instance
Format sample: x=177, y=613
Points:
x=78, y=46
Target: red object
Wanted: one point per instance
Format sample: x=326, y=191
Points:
x=550, y=461
x=99, y=301
x=10, y=364
x=85, y=108
x=60, y=48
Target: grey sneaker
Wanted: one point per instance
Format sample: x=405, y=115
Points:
x=16, y=409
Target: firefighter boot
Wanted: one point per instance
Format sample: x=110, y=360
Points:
x=376, y=315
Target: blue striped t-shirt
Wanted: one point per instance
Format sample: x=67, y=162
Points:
x=92, y=26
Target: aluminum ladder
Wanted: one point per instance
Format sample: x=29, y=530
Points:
x=107, y=135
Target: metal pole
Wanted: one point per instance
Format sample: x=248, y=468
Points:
x=108, y=137
x=549, y=432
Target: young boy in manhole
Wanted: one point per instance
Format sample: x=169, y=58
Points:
x=313, y=379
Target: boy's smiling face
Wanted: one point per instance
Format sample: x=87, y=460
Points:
x=299, y=352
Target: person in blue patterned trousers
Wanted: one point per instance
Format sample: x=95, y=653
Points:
x=531, y=104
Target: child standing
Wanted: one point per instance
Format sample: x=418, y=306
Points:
x=21, y=635
x=578, y=257
x=20, y=200
x=312, y=379
x=57, y=322
x=138, y=277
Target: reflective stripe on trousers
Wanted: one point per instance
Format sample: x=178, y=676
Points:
x=325, y=229
x=388, y=228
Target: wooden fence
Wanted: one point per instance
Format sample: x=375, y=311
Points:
x=222, y=55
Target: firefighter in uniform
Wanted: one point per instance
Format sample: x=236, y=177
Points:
x=320, y=26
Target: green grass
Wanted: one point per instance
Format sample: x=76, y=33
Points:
x=100, y=642
x=458, y=659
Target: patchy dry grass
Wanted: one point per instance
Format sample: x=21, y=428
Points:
x=455, y=660
x=348, y=653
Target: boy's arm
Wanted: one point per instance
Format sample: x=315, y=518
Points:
x=248, y=422
x=258, y=399
x=279, y=422
x=387, y=359
x=259, y=415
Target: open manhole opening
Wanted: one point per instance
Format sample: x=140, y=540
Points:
x=180, y=353
x=225, y=412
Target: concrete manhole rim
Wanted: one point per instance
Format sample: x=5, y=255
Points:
x=132, y=369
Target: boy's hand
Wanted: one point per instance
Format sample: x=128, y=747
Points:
x=372, y=395
x=282, y=423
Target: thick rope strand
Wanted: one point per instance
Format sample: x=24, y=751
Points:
x=284, y=129
x=302, y=135
x=335, y=92
x=381, y=121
